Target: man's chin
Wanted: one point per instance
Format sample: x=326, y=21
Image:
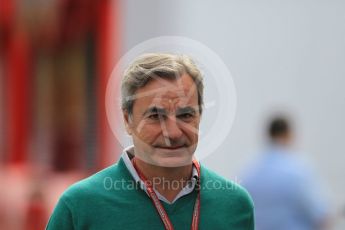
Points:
x=173, y=162
x=172, y=158
x=171, y=151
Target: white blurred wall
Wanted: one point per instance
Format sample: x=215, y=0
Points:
x=286, y=55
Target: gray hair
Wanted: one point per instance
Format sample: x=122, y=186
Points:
x=158, y=65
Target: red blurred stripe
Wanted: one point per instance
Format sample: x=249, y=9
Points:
x=108, y=21
x=18, y=97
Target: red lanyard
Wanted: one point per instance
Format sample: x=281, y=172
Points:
x=159, y=207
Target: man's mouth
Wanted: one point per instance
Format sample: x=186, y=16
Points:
x=171, y=147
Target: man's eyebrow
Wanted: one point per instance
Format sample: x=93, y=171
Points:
x=187, y=109
x=154, y=109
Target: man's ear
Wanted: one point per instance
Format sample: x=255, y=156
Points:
x=127, y=120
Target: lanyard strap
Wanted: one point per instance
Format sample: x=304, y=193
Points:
x=159, y=207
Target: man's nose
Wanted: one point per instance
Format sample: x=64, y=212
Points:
x=172, y=130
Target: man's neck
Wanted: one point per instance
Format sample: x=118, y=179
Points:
x=168, y=181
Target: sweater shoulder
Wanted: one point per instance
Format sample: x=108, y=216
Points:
x=224, y=189
x=97, y=184
x=234, y=204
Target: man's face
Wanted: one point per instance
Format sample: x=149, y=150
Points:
x=165, y=121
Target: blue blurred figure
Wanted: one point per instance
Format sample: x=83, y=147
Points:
x=284, y=189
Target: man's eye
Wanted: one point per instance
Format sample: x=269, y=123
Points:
x=185, y=116
x=154, y=116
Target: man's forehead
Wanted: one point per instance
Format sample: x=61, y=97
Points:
x=183, y=82
x=180, y=97
x=168, y=90
x=163, y=92
x=172, y=95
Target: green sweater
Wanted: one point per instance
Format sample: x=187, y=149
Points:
x=110, y=199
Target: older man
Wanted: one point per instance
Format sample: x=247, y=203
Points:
x=157, y=183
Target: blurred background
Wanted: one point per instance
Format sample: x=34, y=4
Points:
x=56, y=57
